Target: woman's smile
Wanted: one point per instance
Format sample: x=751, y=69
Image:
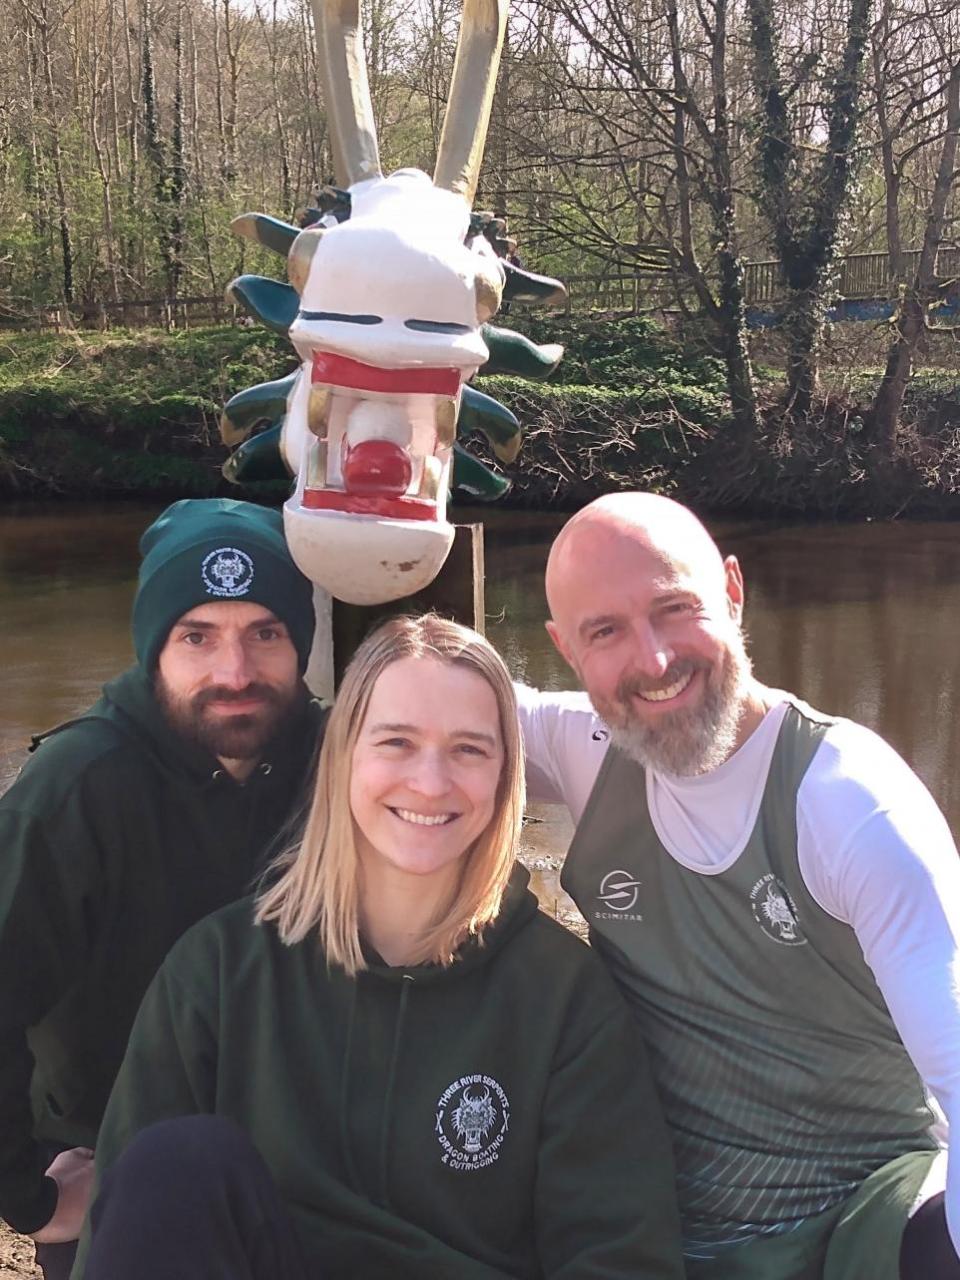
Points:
x=424, y=819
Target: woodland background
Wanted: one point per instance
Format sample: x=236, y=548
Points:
x=670, y=140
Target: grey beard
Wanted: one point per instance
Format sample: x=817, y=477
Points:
x=694, y=740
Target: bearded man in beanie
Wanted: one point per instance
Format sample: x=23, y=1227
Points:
x=158, y=805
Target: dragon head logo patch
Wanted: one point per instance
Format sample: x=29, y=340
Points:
x=473, y=1116
x=775, y=911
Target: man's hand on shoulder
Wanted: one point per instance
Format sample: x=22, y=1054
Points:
x=73, y=1173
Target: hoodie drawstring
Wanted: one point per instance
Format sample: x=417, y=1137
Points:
x=405, y=985
x=346, y=1151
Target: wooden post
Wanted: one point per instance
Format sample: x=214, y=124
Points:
x=456, y=592
x=319, y=672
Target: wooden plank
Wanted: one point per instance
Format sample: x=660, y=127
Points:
x=456, y=592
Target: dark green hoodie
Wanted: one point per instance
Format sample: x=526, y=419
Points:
x=117, y=836
x=494, y=1118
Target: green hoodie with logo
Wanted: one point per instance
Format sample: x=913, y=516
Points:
x=493, y=1118
x=116, y=838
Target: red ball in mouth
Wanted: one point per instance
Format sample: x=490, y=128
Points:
x=377, y=467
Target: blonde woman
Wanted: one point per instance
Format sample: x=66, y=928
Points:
x=391, y=1064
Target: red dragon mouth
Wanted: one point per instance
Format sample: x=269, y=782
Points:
x=341, y=371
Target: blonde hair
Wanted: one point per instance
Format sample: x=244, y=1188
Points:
x=318, y=887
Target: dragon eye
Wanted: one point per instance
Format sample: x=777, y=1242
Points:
x=436, y=326
x=341, y=316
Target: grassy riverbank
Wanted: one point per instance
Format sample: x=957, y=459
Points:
x=125, y=412
x=136, y=413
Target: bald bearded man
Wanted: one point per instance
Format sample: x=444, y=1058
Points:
x=778, y=896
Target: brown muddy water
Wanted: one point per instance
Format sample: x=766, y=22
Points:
x=860, y=620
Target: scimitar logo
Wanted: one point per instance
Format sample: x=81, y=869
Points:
x=619, y=891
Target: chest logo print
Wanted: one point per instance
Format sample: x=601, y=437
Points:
x=619, y=891
x=228, y=572
x=473, y=1115
x=775, y=911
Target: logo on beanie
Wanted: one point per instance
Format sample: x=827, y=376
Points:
x=227, y=572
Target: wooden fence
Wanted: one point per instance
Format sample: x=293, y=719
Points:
x=138, y=313
x=619, y=290
x=863, y=275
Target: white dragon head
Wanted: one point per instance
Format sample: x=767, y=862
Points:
x=389, y=327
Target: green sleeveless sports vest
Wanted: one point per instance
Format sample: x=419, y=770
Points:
x=781, y=1073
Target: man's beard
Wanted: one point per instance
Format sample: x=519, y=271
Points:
x=694, y=739
x=239, y=737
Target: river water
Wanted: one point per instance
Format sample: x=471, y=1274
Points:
x=860, y=620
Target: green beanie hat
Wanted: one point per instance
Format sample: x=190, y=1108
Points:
x=204, y=550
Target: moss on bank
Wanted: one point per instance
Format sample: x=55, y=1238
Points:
x=126, y=412
x=137, y=412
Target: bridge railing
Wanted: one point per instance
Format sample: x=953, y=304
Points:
x=862, y=275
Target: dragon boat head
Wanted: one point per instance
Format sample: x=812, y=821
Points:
x=392, y=302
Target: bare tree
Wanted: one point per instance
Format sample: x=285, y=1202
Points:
x=648, y=123
x=924, y=288
x=44, y=17
x=808, y=161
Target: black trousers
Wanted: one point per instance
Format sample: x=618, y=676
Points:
x=56, y=1260
x=926, y=1252
x=192, y=1198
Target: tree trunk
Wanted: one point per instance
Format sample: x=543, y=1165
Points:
x=114, y=97
x=42, y=19
x=802, y=326
x=891, y=173
x=218, y=86
x=728, y=309
x=178, y=167
x=911, y=321
x=736, y=351
x=103, y=166
x=271, y=39
x=805, y=205
x=232, y=44
x=732, y=309
x=36, y=176
x=133, y=246
x=155, y=148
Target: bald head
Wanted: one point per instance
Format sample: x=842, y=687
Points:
x=661, y=528
x=647, y=613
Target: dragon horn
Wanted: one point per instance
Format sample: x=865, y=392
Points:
x=343, y=70
x=482, y=30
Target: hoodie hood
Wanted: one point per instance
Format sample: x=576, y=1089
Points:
x=518, y=906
